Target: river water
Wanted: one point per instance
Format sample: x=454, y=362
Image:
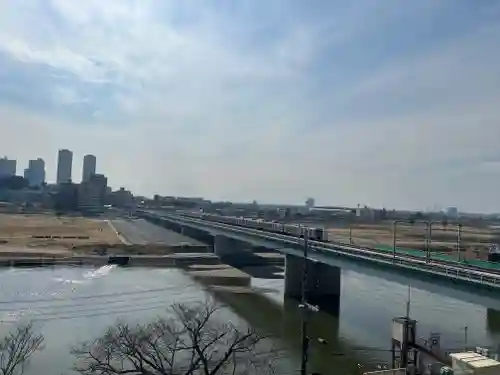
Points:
x=58, y=301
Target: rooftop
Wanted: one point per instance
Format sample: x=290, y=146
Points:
x=475, y=360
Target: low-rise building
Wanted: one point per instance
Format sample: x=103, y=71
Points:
x=92, y=194
x=121, y=198
x=471, y=363
x=65, y=198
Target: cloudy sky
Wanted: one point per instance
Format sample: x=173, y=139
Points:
x=380, y=102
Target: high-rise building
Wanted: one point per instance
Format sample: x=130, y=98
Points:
x=35, y=173
x=64, y=166
x=89, y=162
x=7, y=167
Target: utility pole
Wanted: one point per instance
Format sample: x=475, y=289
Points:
x=304, y=305
x=408, y=302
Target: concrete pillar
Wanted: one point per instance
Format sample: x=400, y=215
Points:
x=224, y=246
x=323, y=282
x=227, y=247
x=493, y=320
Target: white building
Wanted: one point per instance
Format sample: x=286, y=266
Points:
x=470, y=363
x=7, y=167
x=35, y=173
x=89, y=164
x=64, y=166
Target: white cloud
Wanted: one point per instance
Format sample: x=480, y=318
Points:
x=203, y=115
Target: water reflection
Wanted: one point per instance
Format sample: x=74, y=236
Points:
x=493, y=321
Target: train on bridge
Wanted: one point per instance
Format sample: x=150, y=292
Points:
x=313, y=233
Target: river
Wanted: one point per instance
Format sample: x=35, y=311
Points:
x=56, y=299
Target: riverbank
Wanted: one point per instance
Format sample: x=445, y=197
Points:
x=203, y=266
x=42, y=231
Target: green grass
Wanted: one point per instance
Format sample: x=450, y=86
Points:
x=442, y=257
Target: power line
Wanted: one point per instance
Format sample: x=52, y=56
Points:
x=76, y=304
x=28, y=301
x=106, y=312
x=91, y=309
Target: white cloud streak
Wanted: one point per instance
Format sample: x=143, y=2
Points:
x=204, y=116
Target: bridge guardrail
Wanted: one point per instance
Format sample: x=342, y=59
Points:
x=295, y=240
x=451, y=271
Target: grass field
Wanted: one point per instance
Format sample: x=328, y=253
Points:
x=46, y=231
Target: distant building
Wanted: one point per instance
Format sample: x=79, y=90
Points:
x=64, y=166
x=451, y=212
x=89, y=164
x=121, y=198
x=7, y=167
x=92, y=194
x=310, y=203
x=365, y=212
x=35, y=173
x=66, y=197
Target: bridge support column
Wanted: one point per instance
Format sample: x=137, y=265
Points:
x=323, y=283
x=226, y=246
x=197, y=234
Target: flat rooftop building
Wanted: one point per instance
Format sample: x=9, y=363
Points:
x=7, y=167
x=471, y=363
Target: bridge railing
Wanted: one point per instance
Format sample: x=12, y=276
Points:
x=452, y=271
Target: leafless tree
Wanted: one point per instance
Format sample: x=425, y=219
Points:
x=192, y=342
x=17, y=347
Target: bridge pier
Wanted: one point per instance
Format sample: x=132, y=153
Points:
x=197, y=234
x=227, y=246
x=323, y=283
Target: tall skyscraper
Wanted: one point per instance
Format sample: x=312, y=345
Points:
x=7, y=167
x=35, y=173
x=89, y=162
x=64, y=166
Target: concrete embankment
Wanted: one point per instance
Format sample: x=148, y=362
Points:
x=140, y=249
x=221, y=274
x=169, y=260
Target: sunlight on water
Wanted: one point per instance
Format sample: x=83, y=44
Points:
x=100, y=272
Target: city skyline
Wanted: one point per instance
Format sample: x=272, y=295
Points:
x=42, y=162
x=435, y=208
x=385, y=104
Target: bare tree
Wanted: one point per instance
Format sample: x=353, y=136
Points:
x=193, y=341
x=17, y=348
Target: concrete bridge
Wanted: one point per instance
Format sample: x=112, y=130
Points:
x=327, y=259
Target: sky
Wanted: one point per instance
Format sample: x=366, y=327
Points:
x=386, y=103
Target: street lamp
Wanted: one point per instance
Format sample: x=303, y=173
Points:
x=459, y=239
x=428, y=239
x=394, y=230
x=394, y=223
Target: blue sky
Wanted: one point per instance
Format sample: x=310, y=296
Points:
x=384, y=103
